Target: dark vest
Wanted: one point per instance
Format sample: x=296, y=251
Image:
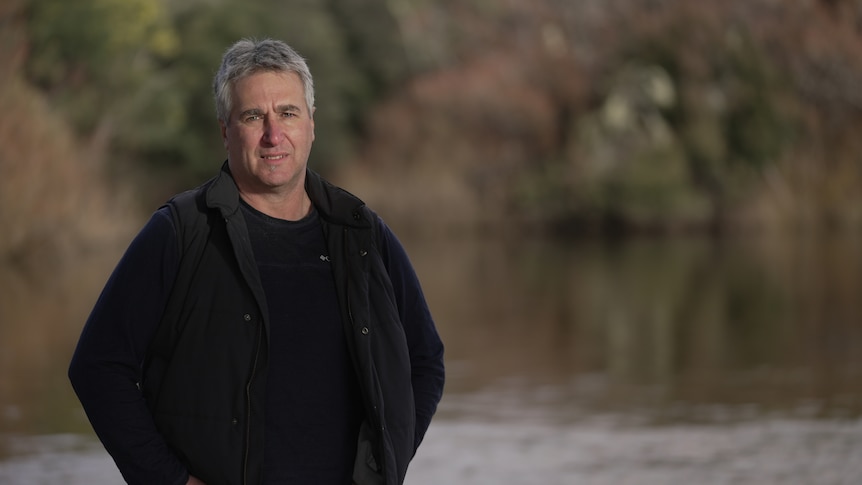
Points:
x=205, y=375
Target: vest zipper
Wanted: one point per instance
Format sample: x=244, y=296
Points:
x=248, y=405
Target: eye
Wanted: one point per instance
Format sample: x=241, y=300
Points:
x=252, y=118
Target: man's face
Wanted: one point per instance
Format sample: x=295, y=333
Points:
x=269, y=134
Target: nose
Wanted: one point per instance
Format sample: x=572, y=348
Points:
x=272, y=134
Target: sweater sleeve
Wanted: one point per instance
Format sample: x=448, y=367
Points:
x=105, y=370
x=424, y=343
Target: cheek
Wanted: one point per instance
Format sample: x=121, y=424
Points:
x=239, y=141
x=307, y=134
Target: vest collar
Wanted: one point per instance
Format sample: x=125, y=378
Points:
x=334, y=204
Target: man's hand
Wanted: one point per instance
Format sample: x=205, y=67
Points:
x=194, y=481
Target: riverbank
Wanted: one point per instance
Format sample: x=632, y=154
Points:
x=598, y=451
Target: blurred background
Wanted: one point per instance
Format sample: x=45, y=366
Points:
x=637, y=222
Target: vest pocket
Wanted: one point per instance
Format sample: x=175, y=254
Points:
x=365, y=469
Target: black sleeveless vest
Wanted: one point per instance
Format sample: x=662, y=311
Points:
x=205, y=374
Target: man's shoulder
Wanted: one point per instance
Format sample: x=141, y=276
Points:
x=337, y=204
x=186, y=203
x=198, y=198
x=189, y=211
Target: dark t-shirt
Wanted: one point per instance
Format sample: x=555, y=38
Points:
x=313, y=408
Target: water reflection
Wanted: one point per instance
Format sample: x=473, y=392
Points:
x=674, y=331
x=682, y=329
x=43, y=304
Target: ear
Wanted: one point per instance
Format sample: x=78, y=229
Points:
x=223, y=128
x=313, y=109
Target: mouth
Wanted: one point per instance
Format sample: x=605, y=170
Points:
x=274, y=157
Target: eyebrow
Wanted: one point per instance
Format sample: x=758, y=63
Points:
x=284, y=108
x=251, y=112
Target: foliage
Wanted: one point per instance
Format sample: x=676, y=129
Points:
x=134, y=76
x=88, y=55
x=693, y=111
x=632, y=114
x=656, y=114
x=53, y=203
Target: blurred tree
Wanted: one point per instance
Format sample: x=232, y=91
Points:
x=692, y=113
x=548, y=108
x=88, y=55
x=135, y=76
x=373, y=45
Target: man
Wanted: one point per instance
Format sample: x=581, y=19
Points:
x=266, y=327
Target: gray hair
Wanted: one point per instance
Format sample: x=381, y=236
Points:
x=249, y=56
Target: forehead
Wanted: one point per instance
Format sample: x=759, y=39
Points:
x=267, y=87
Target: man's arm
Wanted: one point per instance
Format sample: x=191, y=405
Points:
x=425, y=346
x=105, y=370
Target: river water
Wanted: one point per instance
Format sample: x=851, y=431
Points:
x=651, y=361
